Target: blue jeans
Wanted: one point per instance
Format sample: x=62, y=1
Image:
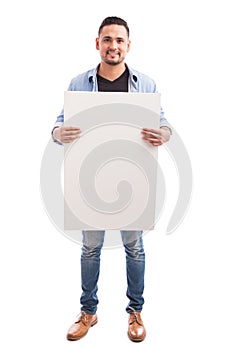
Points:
x=90, y=268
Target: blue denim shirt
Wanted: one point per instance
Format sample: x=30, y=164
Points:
x=138, y=82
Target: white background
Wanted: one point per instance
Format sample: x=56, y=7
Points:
x=186, y=46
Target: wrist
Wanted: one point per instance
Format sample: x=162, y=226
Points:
x=55, y=134
x=166, y=128
x=166, y=133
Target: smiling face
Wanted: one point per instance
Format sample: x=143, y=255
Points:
x=113, y=44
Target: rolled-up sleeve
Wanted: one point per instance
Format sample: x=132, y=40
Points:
x=163, y=120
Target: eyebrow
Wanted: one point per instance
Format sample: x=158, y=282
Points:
x=109, y=37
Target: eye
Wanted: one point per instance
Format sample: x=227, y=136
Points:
x=120, y=41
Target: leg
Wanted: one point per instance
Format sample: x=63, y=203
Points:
x=135, y=268
x=90, y=268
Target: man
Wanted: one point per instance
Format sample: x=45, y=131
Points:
x=112, y=74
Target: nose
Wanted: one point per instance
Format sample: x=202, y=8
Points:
x=113, y=45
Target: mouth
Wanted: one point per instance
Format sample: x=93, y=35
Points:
x=113, y=54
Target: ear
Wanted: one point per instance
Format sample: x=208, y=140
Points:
x=97, y=44
x=128, y=45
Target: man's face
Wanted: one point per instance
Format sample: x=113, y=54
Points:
x=113, y=44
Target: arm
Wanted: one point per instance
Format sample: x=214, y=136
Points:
x=64, y=134
x=157, y=137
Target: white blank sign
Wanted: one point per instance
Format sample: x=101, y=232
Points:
x=110, y=171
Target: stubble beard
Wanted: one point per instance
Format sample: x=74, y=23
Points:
x=114, y=63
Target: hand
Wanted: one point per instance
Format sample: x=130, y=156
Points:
x=156, y=137
x=66, y=134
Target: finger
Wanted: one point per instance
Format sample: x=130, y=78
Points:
x=154, y=131
x=154, y=142
x=70, y=136
x=151, y=139
x=71, y=132
x=150, y=136
x=66, y=137
x=67, y=141
x=67, y=128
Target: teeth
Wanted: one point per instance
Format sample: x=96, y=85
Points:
x=112, y=53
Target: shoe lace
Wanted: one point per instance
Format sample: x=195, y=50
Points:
x=82, y=317
x=134, y=314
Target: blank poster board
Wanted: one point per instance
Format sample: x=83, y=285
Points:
x=110, y=171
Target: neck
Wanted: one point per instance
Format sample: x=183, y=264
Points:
x=111, y=72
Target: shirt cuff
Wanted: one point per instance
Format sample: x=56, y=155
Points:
x=57, y=125
x=167, y=125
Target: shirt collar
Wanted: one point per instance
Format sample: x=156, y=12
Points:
x=132, y=73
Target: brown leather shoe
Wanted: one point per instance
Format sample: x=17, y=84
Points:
x=136, y=329
x=81, y=326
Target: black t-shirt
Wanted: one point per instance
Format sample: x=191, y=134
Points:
x=118, y=85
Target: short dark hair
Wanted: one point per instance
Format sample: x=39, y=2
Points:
x=113, y=20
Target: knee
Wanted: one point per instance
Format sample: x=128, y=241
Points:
x=92, y=244
x=135, y=250
x=89, y=251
